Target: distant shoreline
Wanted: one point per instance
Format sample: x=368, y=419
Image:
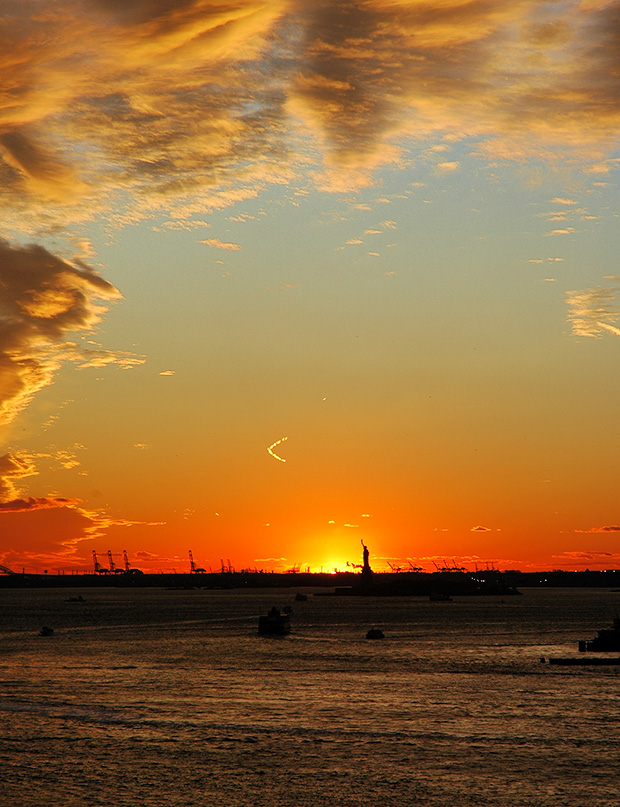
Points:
x=386, y=584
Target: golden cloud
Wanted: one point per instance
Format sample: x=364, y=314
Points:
x=44, y=298
x=219, y=244
x=516, y=72
x=591, y=311
x=169, y=99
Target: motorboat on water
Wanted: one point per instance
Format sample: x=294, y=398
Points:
x=274, y=623
x=606, y=641
x=439, y=596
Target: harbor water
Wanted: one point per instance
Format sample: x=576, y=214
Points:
x=170, y=698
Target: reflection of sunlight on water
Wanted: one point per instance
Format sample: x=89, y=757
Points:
x=449, y=688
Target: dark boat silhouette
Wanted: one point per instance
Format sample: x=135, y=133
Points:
x=439, y=596
x=607, y=640
x=581, y=661
x=274, y=623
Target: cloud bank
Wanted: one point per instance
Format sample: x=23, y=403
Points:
x=43, y=299
x=162, y=100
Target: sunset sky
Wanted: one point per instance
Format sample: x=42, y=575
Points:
x=281, y=276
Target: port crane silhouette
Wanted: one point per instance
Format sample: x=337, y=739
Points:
x=408, y=568
x=99, y=569
x=192, y=566
x=449, y=568
x=226, y=569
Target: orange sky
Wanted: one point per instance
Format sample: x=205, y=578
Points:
x=277, y=278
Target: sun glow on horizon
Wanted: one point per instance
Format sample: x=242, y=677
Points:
x=332, y=567
x=341, y=245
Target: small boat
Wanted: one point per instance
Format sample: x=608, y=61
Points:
x=299, y=597
x=607, y=640
x=46, y=631
x=440, y=596
x=274, y=623
x=375, y=633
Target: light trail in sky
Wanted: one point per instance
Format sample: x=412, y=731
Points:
x=273, y=445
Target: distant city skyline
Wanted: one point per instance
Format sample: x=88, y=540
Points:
x=280, y=278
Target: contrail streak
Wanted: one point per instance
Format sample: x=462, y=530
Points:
x=273, y=445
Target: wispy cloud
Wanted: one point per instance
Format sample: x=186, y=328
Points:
x=14, y=468
x=447, y=167
x=219, y=244
x=100, y=357
x=564, y=231
x=35, y=503
x=593, y=558
x=592, y=311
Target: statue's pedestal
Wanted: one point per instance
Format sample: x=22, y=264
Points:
x=367, y=580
